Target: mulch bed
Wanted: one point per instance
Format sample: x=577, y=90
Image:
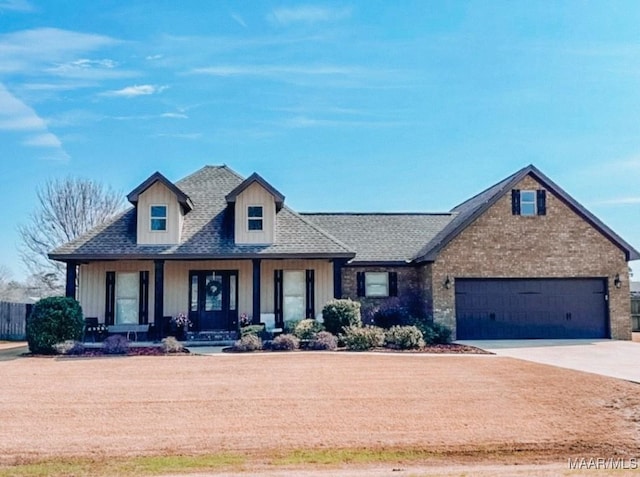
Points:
x=451, y=348
x=99, y=352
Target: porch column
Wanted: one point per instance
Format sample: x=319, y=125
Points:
x=338, y=263
x=256, y=290
x=158, y=293
x=72, y=274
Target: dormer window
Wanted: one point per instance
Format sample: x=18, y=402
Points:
x=255, y=217
x=158, y=218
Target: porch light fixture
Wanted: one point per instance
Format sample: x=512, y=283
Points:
x=447, y=282
x=616, y=281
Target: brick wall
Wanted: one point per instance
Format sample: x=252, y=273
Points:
x=411, y=287
x=559, y=244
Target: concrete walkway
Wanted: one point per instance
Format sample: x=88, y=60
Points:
x=617, y=359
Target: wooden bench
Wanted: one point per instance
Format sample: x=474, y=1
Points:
x=129, y=330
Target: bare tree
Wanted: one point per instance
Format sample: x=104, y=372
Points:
x=67, y=208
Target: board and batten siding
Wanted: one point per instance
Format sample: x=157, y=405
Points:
x=255, y=194
x=176, y=283
x=323, y=281
x=92, y=284
x=159, y=194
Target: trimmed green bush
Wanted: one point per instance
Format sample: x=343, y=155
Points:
x=362, y=338
x=338, y=314
x=434, y=332
x=252, y=330
x=54, y=320
x=307, y=329
x=290, y=326
x=323, y=341
x=248, y=343
x=403, y=337
x=285, y=342
x=391, y=315
x=115, y=344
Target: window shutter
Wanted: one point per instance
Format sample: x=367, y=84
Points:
x=143, y=303
x=393, y=283
x=515, y=202
x=310, y=286
x=360, y=284
x=110, y=299
x=278, y=298
x=541, y=199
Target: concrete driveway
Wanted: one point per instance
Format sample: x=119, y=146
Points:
x=618, y=359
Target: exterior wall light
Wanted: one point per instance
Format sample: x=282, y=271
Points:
x=447, y=282
x=616, y=281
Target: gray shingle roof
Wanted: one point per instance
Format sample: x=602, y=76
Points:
x=384, y=237
x=207, y=230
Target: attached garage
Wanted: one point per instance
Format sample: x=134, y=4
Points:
x=531, y=308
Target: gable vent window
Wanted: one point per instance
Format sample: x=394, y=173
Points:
x=158, y=218
x=255, y=217
x=529, y=202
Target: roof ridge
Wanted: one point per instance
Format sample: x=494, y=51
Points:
x=379, y=213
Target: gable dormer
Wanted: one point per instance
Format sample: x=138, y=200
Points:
x=255, y=203
x=160, y=207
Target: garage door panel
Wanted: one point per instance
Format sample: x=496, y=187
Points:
x=531, y=308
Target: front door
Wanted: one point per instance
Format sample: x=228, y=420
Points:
x=213, y=299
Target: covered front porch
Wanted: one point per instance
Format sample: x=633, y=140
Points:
x=208, y=295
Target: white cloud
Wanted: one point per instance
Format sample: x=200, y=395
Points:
x=137, y=90
x=90, y=70
x=307, y=14
x=174, y=115
x=27, y=51
x=239, y=20
x=16, y=6
x=18, y=117
x=153, y=57
x=188, y=136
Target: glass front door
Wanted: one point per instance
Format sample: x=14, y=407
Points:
x=213, y=297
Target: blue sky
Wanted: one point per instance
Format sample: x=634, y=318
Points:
x=343, y=106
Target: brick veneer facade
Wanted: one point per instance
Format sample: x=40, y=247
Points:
x=410, y=288
x=558, y=244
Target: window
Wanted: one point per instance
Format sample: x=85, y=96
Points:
x=293, y=291
x=127, y=295
x=158, y=218
x=376, y=284
x=529, y=202
x=254, y=213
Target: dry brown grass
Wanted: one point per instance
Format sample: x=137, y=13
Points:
x=262, y=404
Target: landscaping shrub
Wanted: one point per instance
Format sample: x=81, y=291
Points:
x=69, y=347
x=323, y=341
x=252, y=330
x=362, y=338
x=285, y=342
x=115, y=344
x=248, y=343
x=54, y=320
x=338, y=314
x=290, y=326
x=434, y=332
x=307, y=329
x=390, y=315
x=403, y=337
x=172, y=345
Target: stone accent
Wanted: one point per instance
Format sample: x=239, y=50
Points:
x=411, y=288
x=558, y=244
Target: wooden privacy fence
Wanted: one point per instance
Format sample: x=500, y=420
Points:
x=13, y=320
x=635, y=313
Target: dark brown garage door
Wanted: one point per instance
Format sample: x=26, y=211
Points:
x=531, y=308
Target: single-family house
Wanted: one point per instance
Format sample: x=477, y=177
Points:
x=522, y=259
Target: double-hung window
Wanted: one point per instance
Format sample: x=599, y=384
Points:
x=255, y=217
x=158, y=215
x=529, y=203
